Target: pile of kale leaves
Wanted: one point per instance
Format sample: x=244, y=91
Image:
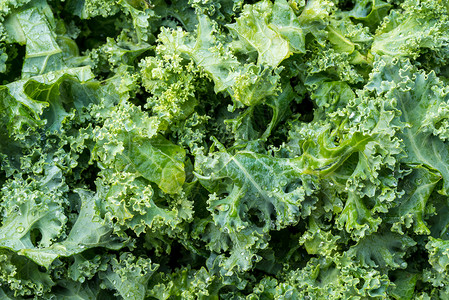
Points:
x=224, y=149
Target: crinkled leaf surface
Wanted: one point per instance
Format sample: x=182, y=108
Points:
x=224, y=149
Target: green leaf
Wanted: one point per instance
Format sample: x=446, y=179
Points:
x=315, y=17
x=138, y=150
x=173, y=87
x=18, y=117
x=20, y=276
x=383, y=251
x=89, y=231
x=253, y=30
x=438, y=254
x=37, y=205
x=284, y=21
x=157, y=160
x=92, y=8
x=30, y=100
x=70, y=290
x=187, y=284
x=246, y=126
x=356, y=218
x=420, y=25
x=248, y=181
x=129, y=276
x=330, y=95
x=252, y=193
x=404, y=285
x=412, y=207
x=370, y=12
x=396, y=79
x=247, y=84
x=43, y=54
x=132, y=203
x=3, y=59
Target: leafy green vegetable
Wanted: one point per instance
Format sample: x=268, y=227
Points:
x=224, y=149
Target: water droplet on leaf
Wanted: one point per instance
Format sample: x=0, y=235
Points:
x=129, y=125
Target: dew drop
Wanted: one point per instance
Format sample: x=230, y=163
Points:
x=129, y=125
x=60, y=247
x=20, y=229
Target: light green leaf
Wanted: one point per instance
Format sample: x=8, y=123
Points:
x=157, y=160
x=247, y=84
x=136, y=147
x=284, y=21
x=421, y=25
x=416, y=93
x=253, y=29
x=89, y=231
x=356, y=218
x=438, y=254
x=129, y=276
